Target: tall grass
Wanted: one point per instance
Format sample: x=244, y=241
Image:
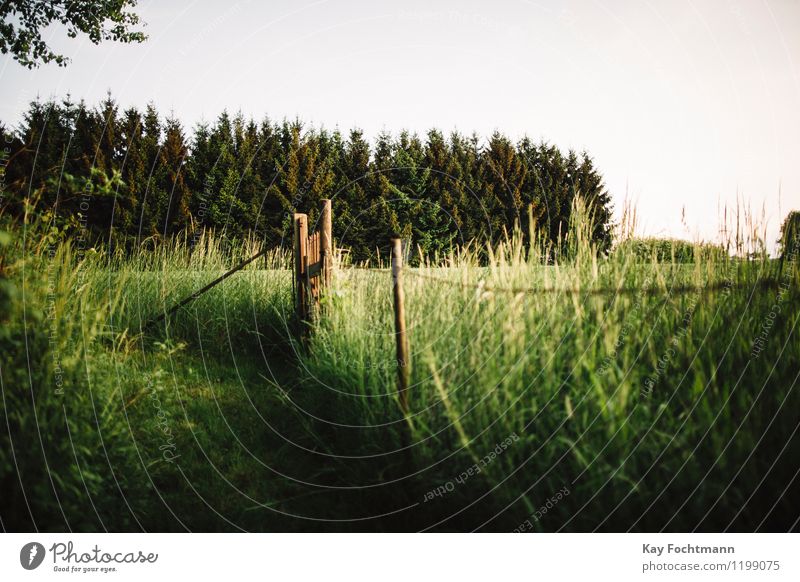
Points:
x=65, y=452
x=632, y=382
x=88, y=384
x=247, y=312
x=657, y=391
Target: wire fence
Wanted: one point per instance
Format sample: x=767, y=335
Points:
x=766, y=283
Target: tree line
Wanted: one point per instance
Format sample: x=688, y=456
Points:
x=124, y=175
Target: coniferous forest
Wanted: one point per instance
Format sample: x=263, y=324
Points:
x=147, y=175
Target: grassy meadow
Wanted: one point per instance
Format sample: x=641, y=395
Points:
x=613, y=393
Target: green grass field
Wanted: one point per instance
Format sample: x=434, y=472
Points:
x=598, y=393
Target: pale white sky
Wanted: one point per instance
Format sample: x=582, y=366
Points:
x=683, y=103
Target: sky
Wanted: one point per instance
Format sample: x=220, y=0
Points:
x=685, y=106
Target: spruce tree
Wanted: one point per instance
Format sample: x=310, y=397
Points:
x=173, y=157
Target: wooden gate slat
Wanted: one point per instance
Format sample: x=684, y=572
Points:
x=313, y=260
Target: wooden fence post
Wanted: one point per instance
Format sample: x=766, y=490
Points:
x=326, y=243
x=400, y=324
x=300, y=264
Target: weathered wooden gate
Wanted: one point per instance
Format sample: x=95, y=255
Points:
x=313, y=260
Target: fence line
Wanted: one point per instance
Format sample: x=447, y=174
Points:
x=313, y=264
x=480, y=286
x=403, y=352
